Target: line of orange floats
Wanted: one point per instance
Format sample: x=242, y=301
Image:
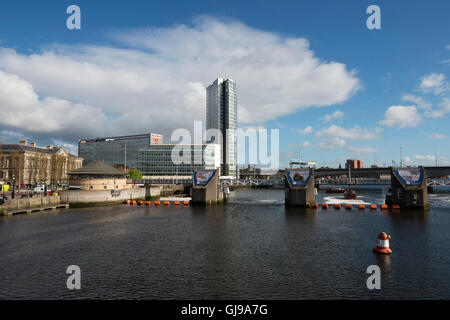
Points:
x=156, y=203
x=338, y=206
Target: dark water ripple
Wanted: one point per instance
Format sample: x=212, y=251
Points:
x=249, y=248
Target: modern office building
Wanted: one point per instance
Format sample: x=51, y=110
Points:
x=221, y=114
x=160, y=160
x=116, y=151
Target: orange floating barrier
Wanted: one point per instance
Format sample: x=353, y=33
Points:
x=156, y=203
x=348, y=206
x=147, y=203
x=186, y=203
x=141, y=203
x=166, y=203
x=373, y=207
x=337, y=206
x=395, y=207
x=314, y=206
x=177, y=203
x=128, y=202
x=362, y=207
x=324, y=206
x=384, y=207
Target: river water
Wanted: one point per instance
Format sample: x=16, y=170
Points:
x=249, y=248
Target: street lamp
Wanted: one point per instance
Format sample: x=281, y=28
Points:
x=14, y=187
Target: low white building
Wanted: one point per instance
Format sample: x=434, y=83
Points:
x=177, y=159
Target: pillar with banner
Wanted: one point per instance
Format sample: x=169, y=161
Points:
x=299, y=190
x=409, y=187
x=205, y=187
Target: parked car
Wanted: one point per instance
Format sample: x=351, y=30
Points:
x=39, y=189
x=74, y=188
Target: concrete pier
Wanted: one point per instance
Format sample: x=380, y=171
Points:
x=205, y=188
x=409, y=187
x=299, y=189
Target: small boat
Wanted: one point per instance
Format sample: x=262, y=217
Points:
x=335, y=190
x=350, y=194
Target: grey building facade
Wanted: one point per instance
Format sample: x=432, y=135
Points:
x=157, y=160
x=115, y=151
x=221, y=114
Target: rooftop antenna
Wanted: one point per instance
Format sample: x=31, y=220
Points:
x=435, y=155
x=401, y=161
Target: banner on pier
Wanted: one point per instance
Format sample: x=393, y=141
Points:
x=299, y=177
x=203, y=177
x=410, y=176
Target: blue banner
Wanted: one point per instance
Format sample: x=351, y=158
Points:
x=203, y=177
x=299, y=177
x=410, y=176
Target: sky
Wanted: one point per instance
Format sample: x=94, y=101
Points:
x=312, y=69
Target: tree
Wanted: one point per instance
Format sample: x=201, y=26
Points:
x=135, y=174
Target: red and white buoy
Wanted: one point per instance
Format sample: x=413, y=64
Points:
x=383, y=243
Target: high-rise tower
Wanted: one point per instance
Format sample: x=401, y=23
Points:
x=221, y=114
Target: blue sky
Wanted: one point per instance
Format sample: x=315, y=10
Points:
x=395, y=81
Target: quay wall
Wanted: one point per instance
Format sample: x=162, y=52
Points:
x=106, y=196
x=24, y=203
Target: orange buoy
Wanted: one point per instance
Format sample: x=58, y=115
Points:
x=147, y=203
x=314, y=206
x=373, y=207
x=133, y=202
x=384, y=206
x=141, y=203
x=337, y=206
x=325, y=206
x=362, y=207
x=348, y=206
x=382, y=245
x=177, y=203
x=186, y=203
x=395, y=207
x=166, y=203
x=156, y=203
x=128, y=201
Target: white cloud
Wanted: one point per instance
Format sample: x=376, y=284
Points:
x=401, y=117
x=155, y=79
x=305, y=144
x=418, y=101
x=332, y=143
x=307, y=130
x=437, y=136
x=21, y=108
x=361, y=149
x=335, y=116
x=434, y=82
x=425, y=157
x=355, y=133
x=444, y=108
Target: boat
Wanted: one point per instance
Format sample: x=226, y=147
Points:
x=350, y=194
x=335, y=190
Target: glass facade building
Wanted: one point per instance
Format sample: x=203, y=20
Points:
x=221, y=114
x=115, y=151
x=160, y=160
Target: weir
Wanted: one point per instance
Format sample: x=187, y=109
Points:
x=409, y=187
x=299, y=187
x=205, y=187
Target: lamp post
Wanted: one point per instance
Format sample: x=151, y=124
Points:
x=14, y=187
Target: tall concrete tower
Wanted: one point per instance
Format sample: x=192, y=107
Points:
x=221, y=114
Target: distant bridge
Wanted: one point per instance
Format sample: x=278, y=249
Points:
x=432, y=172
